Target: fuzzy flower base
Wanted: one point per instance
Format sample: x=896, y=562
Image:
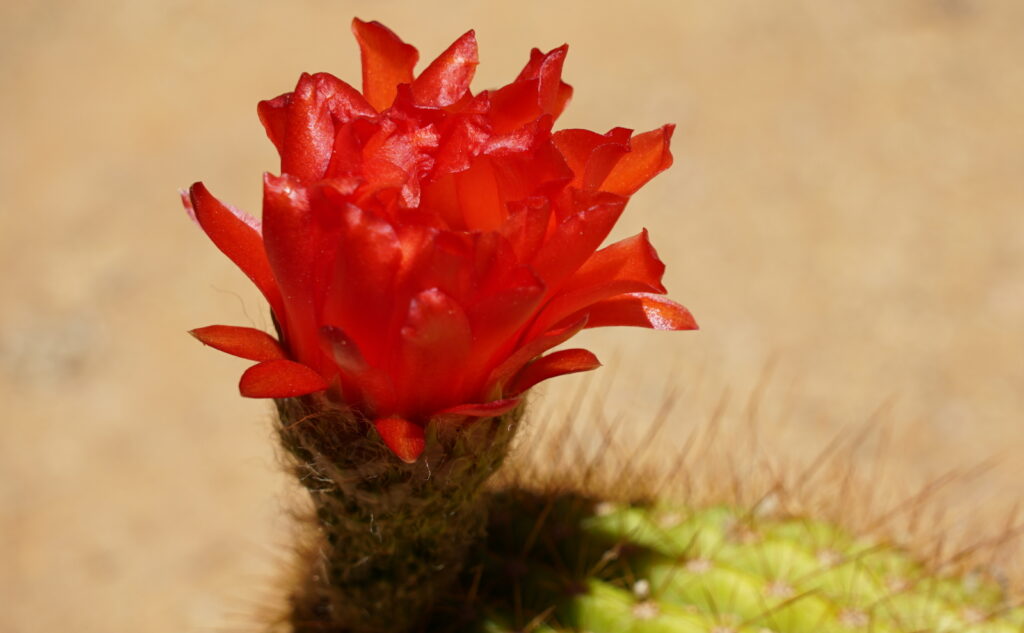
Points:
x=391, y=536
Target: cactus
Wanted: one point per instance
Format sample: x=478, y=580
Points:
x=563, y=562
x=423, y=250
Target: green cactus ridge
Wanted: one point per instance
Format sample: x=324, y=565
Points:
x=565, y=563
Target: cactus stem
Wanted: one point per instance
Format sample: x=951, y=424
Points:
x=391, y=536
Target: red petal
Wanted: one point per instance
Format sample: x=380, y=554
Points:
x=575, y=240
x=590, y=155
x=499, y=314
x=567, y=361
x=526, y=164
x=435, y=343
x=514, y=105
x=245, y=342
x=295, y=246
x=526, y=227
x=304, y=122
x=485, y=410
x=342, y=349
x=373, y=385
x=237, y=235
x=538, y=90
x=640, y=309
x=447, y=78
x=553, y=93
x=387, y=62
x=462, y=141
x=648, y=156
x=511, y=365
x=405, y=439
x=280, y=379
x=480, y=200
x=630, y=259
x=629, y=265
x=273, y=115
x=360, y=296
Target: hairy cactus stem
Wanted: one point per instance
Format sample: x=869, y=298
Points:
x=391, y=536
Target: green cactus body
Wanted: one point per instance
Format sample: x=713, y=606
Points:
x=566, y=563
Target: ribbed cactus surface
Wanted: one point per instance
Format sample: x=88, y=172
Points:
x=565, y=563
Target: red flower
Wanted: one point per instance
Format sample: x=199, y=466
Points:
x=425, y=247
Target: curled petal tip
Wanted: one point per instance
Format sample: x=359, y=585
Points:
x=648, y=156
x=186, y=201
x=641, y=309
x=237, y=235
x=387, y=62
x=568, y=361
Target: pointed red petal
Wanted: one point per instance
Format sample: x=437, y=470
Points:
x=648, y=156
x=538, y=90
x=631, y=259
x=237, y=235
x=640, y=309
x=590, y=155
x=575, y=239
x=405, y=439
x=387, y=62
x=273, y=115
x=302, y=124
x=508, y=368
x=552, y=92
x=484, y=410
x=447, y=78
x=567, y=361
x=245, y=342
x=280, y=379
x=294, y=246
x=629, y=265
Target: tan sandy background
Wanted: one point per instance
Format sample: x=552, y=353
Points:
x=845, y=218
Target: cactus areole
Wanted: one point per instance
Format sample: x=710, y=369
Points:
x=423, y=250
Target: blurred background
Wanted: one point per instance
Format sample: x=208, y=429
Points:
x=845, y=218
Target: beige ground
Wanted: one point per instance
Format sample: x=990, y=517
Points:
x=847, y=208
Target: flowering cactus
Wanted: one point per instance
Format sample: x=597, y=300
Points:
x=422, y=251
x=425, y=247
